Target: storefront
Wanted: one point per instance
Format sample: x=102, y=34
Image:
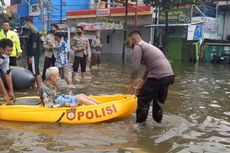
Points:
x=110, y=22
x=216, y=51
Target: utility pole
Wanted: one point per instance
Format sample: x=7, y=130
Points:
x=44, y=14
x=156, y=22
x=165, y=50
x=125, y=30
x=136, y=17
x=49, y=5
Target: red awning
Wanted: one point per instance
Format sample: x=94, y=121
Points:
x=115, y=11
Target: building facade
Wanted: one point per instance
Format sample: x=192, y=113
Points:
x=45, y=12
x=109, y=18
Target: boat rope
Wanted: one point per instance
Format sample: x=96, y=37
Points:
x=60, y=117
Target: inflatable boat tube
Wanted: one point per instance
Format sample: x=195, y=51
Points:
x=110, y=107
x=22, y=78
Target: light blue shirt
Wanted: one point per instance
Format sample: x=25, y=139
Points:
x=4, y=64
x=62, y=55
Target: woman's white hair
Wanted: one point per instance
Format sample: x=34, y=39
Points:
x=50, y=71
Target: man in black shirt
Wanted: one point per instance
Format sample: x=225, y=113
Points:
x=33, y=51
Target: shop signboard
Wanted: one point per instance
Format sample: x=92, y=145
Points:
x=198, y=32
x=208, y=9
x=211, y=25
x=103, y=12
x=100, y=26
x=191, y=31
x=177, y=15
x=195, y=32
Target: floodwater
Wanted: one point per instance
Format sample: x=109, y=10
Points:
x=196, y=117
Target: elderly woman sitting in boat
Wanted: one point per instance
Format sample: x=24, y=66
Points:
x=52, y=98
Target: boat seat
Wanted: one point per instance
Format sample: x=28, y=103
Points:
x=29, y=101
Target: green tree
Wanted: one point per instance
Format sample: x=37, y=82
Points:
x=3, y=16
x=2, y=2
x=167, y=5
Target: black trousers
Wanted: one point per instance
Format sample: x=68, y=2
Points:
x=79, y=61
x=34, y=66
x=47, y=63
x=155, y=90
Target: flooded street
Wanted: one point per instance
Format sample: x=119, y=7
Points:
x=196, y=117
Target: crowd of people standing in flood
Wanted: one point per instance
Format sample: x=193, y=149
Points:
x=56, y=54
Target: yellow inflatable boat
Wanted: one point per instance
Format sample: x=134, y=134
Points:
x=110, y=107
